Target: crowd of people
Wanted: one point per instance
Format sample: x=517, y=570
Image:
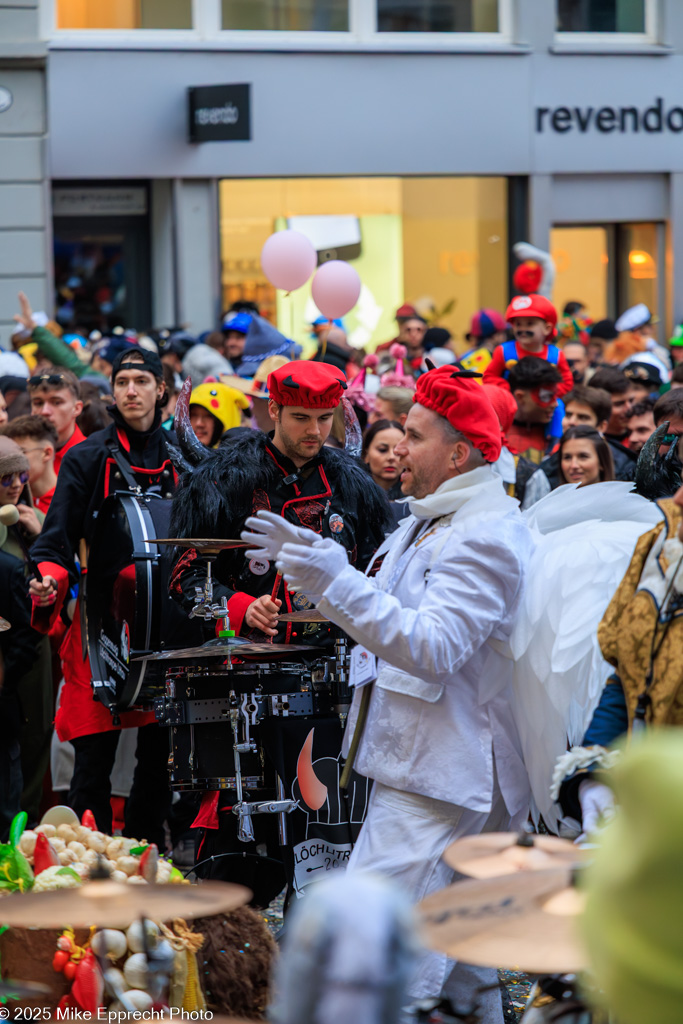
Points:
x=413, y=544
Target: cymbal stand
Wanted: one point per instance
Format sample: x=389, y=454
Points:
x=244, y=809
x=206, y=608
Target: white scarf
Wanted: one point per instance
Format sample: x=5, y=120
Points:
x=480, y=489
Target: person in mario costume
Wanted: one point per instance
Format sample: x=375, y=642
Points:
x=534, y=324
x=432, y=722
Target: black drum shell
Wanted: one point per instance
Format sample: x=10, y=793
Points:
x=129, y=610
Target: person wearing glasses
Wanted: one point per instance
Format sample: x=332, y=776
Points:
x=55, y=394
x=34, y=688
x=38, y=440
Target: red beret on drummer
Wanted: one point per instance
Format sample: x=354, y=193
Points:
x=307, y=385
x=459, y=398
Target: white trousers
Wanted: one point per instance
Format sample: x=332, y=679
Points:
x=404, y=837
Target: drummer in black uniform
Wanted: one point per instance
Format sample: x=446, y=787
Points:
x=289, y=472
x=292, y=473
x=130, y=452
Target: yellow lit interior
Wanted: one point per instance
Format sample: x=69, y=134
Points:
x=427, y=241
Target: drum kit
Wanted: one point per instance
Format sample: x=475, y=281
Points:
x=199, y=689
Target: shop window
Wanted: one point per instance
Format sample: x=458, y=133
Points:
x=601, y=16
x=581, y=257
x=124, y=14
x=286, y=15
x=439, y=243
x=437, y=15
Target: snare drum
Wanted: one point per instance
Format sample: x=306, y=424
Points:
x=129, y=610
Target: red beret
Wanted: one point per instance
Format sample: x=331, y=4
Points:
x=307, y=384
x=502, y=401
x=460, y=399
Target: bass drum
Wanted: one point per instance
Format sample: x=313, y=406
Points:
x=128, y=608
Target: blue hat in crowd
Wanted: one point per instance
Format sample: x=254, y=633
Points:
x=240, y=322
x=264, y=340
x=113, y=347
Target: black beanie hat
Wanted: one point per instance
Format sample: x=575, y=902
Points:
x=605, y=330
x=135, y=359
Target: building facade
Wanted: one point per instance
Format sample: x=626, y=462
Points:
x=417, y=138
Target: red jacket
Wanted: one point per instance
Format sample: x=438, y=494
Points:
x=495, y=371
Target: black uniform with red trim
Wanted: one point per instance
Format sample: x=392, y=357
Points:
x=332, y=495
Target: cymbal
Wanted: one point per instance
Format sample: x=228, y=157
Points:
x=4, y=624
x=201, y=543
x=525, y=922
x=108, y=904
x=492, y=854
x=305, y=615
x=248, y=650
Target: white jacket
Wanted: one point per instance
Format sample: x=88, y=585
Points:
x=446, y=595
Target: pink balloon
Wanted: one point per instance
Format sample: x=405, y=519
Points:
x=335, y=288
x=288, y=259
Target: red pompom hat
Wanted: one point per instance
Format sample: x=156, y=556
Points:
x=459, y=398
x=307, y=384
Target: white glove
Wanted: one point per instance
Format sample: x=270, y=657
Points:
x=597, y=806
x=310, y=570
x=273, y=532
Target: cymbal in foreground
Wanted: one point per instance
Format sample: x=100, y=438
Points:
x=110, y=904
x=492, y=854
x=305, y=615
x=249, y=650
x=21, y=989
x=201, y=543
x=525, y=922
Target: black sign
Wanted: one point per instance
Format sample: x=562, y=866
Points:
x=220, y=113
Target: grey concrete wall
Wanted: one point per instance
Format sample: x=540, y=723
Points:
x=25, y=259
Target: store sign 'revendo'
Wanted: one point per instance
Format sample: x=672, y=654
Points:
x=219, y=113
x=655, y=119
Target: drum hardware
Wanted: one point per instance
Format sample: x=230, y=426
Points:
x=305, y=615
x=341, y=691
x=244, y=812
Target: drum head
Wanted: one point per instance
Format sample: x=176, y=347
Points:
x=129, y=610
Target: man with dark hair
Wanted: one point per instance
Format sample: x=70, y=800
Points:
x=587, y=407
x=677, y=377
x=55, y=394
x=617, y=384
x=670, y=407
x=641, y=424
x=37, y=438
x=533, y=383
x=132, y=447
x=622, y=396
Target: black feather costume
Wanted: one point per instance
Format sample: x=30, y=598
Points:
x=332, y=495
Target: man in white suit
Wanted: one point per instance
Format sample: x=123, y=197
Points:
x=432, y=719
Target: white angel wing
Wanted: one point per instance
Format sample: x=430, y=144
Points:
x=584, y=542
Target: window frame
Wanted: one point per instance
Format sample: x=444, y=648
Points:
x=207, y=33
x=616, y=40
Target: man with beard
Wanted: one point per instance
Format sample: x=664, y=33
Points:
x=431, y=720
x=292, y=474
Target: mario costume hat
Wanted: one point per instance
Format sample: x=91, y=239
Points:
x=307, y=385
x=534, y=306
x=457, y=396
